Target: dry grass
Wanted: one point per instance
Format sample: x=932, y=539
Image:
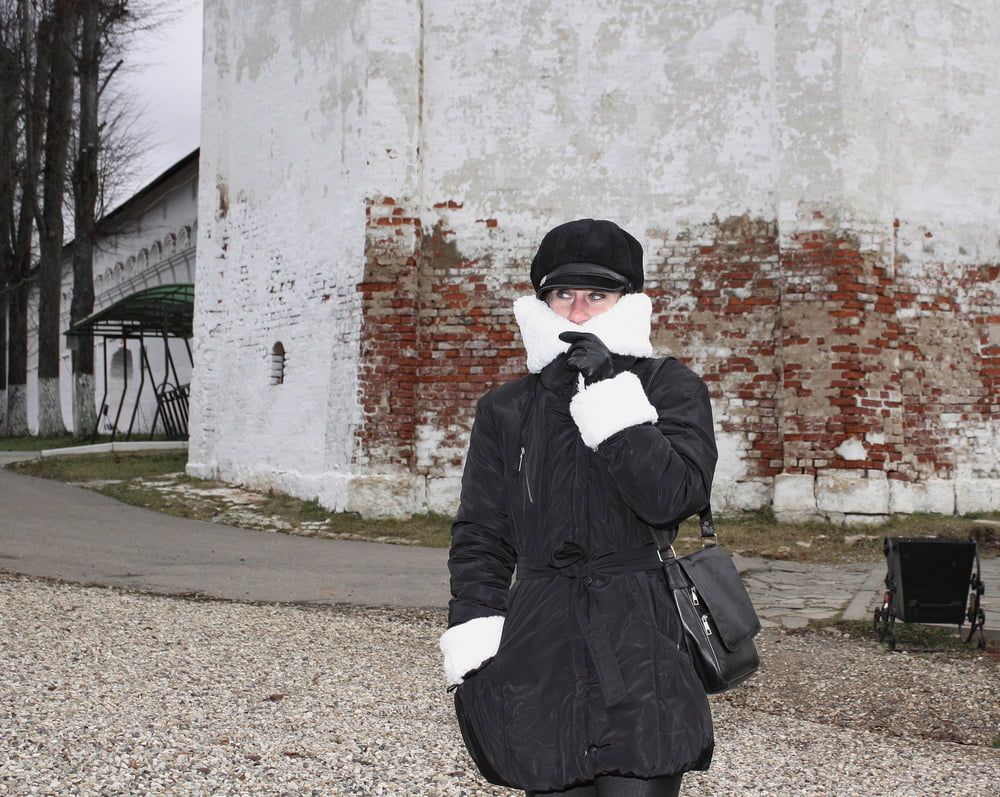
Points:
x=156, y=480
x=759, y=534
x=36, y=443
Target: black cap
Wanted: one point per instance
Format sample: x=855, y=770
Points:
x=587, y=253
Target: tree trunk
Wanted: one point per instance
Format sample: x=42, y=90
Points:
x=34, y=73
x=57, y=133
x=3, y=362
x=17, y=364
x=85, y=222
x=9, y=80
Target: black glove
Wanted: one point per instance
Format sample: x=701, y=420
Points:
x=588, y=355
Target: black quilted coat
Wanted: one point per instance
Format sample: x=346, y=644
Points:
x=590, y=677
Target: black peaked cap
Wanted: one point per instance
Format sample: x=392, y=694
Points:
x=588, y=253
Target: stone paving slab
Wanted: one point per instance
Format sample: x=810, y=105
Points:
x=791, y=594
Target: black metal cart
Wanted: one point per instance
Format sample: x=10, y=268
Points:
x=931, y=580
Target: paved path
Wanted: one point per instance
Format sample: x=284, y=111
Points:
x=55, y=530
x=59, y=531
x=790, y=594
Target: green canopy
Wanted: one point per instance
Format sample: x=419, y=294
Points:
x=164, y=309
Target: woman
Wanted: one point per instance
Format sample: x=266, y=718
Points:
x=574, y=680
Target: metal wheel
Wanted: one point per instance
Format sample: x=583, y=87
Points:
x=976, y=615
x=884, y=624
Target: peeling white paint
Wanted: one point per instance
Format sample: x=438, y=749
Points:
x=815, y=114
x=851, y=449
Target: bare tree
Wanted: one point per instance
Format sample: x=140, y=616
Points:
x=105, y=153
x=29, y=36
x=8, y=164
x=58, y=118
x=49, y=47
x=85, y=175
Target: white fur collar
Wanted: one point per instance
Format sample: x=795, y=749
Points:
x=624, y=329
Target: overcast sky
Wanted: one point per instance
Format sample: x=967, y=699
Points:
x=166, y=81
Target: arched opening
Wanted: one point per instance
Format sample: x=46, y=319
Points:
x=278, y=364
x=121, y=365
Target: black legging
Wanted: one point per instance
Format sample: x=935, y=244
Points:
x=615, y=786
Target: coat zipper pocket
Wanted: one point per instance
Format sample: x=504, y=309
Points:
x=527, y=485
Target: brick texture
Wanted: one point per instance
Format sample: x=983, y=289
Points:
x=824, y=351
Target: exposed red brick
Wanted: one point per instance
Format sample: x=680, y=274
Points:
x=803, y=344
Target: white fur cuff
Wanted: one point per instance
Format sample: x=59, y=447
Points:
x=467, y=645
x=609, y=406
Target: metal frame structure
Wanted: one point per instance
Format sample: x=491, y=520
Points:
x=931, y=580
x=162, y=312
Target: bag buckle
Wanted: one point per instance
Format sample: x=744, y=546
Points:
x=659, y=554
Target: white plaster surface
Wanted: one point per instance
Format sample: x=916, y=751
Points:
x=977, y=495
x=851, y=449
x=664, y=116
x=864, y=520
x=795, y=497
x=732, y=488
x=443, y=494
x=281, y=244
x=387, y=496
x=934, y=495
x=849, y=493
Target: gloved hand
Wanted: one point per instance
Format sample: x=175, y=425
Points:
x=588, y=355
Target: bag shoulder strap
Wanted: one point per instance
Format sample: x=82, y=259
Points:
x=664, y=537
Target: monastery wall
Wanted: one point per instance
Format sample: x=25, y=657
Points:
x=148, y=241
x=810, y=182
x=280, y=246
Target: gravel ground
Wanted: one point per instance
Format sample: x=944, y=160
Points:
x=110, y=693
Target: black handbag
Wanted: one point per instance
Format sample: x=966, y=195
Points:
x=719, y=619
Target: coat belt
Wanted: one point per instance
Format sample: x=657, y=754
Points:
x=570, y=561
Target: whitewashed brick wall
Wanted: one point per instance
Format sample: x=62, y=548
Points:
x=807, y=179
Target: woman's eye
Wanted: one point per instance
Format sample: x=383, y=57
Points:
x=598, y=297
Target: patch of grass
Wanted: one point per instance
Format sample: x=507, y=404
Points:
x=283, y=512
x=139, y=494
x=429, y=529
x=36, y=443
x=748, y=533
x=920, y=638
x=125, y=477
x=996, y=743
x=100, y=467
x=760, y=534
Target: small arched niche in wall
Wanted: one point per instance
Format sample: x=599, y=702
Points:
x=121, y=365
x=277, y=364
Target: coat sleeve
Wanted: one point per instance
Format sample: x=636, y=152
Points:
x=664, y=470
x=482, y=557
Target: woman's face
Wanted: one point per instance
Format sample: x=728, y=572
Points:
x=579, y=305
